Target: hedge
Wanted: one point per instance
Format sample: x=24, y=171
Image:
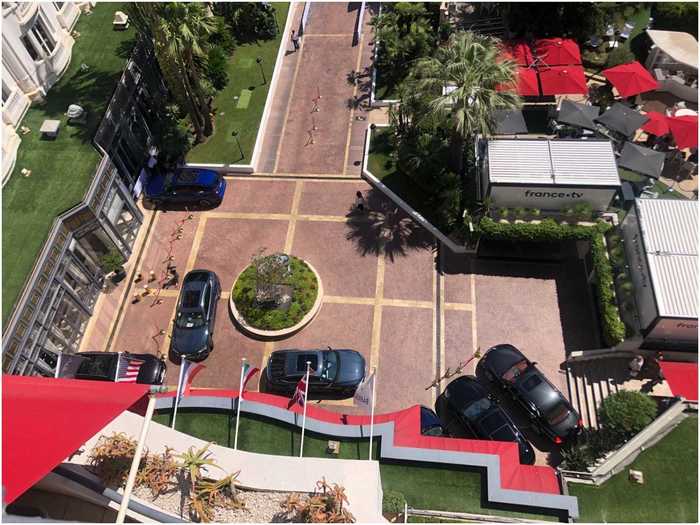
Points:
x=550, y=230
x=626, y=413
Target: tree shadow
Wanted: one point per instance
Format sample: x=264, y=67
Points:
x=385, y=229
x=125, y=48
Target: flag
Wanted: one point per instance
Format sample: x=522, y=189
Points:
x=128, y=369
x=299, y=394
x=248, y=372
x=187, y=373
x=363, y=394
x=68, y=365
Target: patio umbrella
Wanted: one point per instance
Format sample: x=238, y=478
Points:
x=631, y=79
x=576, y=114
x=518, y=52
x=557, y=51
x=641, y=160
x=684, y=130
x=563, y=80
x=526, y=83
x=622, y=119
x=509, y=122
x=657, y=124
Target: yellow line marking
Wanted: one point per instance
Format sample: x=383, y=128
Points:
x=335, y=299
x=320, y=177
x=473, y=297
x=377, y=318
x=369, y=301
x=167, y=293
x=435, y=340
x=442, y=331
x=252, y=216
x=407, y=303
x=323, y=218
x=225, y=295
x=298, y=189
x=458, y=306
x=269, y=347
x=327, y=35
x=338, y=402
x=352, y=110
x=289, y=105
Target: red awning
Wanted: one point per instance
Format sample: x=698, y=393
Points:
x=684, y=130
x=657, y=123
x=518, y=52
x=526, y=83
x=631, y=79
x=45, y=420
x=557, y=51
x=563, y=80
x=682, y=378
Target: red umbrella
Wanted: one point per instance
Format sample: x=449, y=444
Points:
x=526, y=83
x=563, y=80
x=657, y=123
x=631, y=79
x=557, y=51
x=518, y=52
x=684, y=130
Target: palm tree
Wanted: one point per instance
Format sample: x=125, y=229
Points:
x=177, y=30
x=469, y=64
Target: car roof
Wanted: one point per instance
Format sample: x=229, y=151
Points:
x=196, y=176
x=534, y=386
x=465, y=389
x=503, y=356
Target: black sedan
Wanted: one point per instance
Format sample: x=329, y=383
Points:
x=430, y=424
x=466, y=403
x=334, y=373
x=546, y=406
x=195, y=316
x=105, y=366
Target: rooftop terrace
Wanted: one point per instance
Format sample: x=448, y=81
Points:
x=61, y=169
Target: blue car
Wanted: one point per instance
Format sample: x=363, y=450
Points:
x=187, y=186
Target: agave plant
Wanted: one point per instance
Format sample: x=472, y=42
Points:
x=323, y=507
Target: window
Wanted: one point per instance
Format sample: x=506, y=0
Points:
x=43, y=37
x=59, y=5
x=29, y=47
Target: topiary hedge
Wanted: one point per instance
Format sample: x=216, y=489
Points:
x=625, y=413
x=550, y=230
x=393, y=502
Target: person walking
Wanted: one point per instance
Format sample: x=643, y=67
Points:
x=295, y=40
x=360, y=203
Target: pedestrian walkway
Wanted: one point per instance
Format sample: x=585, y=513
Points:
x=317, y=125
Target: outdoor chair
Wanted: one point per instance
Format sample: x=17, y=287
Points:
x=610, y=30
x=594, y=42
x=121, y=21
x=625, y=33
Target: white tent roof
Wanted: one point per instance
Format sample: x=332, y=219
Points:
x=555, y=162
x=669, y=229
x=681, y=47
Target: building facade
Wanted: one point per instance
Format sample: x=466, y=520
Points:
x=57, y=301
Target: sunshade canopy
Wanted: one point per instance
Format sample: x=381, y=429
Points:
x=563, y=80
x=518, y=52
x=657, y=123
x=557, y=51
x=525, y=83
x=684, y=130
x=509, y=122
x=631, y=79
x=642, y=160
x=45, y=420
x=576, y=114
x=622, y=119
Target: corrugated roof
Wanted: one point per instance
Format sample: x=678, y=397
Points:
x=669, y=228
x=564, y=162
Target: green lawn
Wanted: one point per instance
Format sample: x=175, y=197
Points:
x=425, y=488
x=670, y=490
x=245, y=82
x=664, y=191
x=63, y=168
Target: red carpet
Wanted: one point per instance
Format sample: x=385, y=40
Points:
x=682, y=378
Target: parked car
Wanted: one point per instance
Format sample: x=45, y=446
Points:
x=336, y=373
x=467, y=403
x=104, y=366
x=193, y=327
x=186, y=186
x=546, y=406
x=430, y=424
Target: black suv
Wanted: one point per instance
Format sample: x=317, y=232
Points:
x=546, y=406
x=465, y=403
x=193, y=327
x=103, y=366
x=334, y=373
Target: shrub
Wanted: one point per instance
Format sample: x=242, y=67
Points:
x=625, y=413
x=111, y=458
x=535, y=212
x=503, y=213
x=222, y=36
x=583, y=211
x=393, y=502
x=112, y=261
x=173, y=135
x=593, y=58
x=321, y=507
x=216, y=67
x=520, y=213
x=249, y=21
x=577, y=457
x=619, y=55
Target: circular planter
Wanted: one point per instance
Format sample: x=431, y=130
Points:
x=259, y=333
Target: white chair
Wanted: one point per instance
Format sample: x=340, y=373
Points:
x=121, y=21
x=625, y=33
x=610, y=30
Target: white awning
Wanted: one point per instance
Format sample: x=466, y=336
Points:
x=681, y=47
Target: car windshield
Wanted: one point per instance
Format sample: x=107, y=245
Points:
x=477, y=408
x=557, y=414
x=504, y=433
x=189, y=320
x=98, y=366
x=514, y=371
x=331, y=368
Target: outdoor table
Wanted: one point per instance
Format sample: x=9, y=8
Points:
x=50, y=127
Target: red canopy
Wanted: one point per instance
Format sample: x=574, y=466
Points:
x=526, y=83
x=45, y=420
x=682, y=378
x=684, y=130
x=631, y=79
x=657, y=123
x=518, y=52
x=563, y=80
x=557, y=51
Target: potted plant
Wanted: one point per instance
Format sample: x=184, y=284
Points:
x=535, y=213
x=113, y=262
x=520, y=213
x=503, y=213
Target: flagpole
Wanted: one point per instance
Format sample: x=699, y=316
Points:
x=238, y=408
x=371, y=417
x=306, y=400
x=177, y=393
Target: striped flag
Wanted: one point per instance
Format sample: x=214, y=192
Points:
x=299, y=394
x=364, y=392
x=187, y=373
x=128, y=369
x=248, y=372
